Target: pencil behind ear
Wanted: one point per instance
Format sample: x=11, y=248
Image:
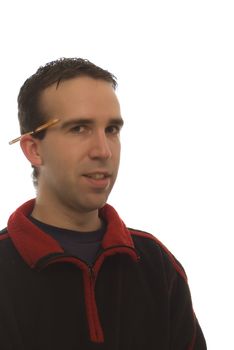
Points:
x=30, y=148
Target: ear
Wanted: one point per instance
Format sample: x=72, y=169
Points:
x=31, y=149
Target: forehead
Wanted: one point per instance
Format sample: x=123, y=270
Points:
x=80, y=97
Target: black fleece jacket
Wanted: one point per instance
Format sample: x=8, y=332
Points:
x=134, y=297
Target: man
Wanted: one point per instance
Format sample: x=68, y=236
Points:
x=72, y=275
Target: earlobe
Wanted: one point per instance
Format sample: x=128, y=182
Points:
x=31, y=150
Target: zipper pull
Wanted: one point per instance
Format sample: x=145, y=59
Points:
x=92, y=274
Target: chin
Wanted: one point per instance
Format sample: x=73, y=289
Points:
x=94, y=205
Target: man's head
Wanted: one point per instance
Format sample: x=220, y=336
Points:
x=30, y=114
x=77, y=159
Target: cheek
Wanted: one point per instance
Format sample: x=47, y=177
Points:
x=117, y=152
x=116, y=148
x=58, y=153
x=56, y=163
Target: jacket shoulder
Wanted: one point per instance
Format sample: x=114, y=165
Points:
x=4, y=230
x=146, y=238
x=3, y=234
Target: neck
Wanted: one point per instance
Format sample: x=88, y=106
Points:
x=66, y=218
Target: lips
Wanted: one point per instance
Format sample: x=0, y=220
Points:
x=97, y=176
x=99, y=179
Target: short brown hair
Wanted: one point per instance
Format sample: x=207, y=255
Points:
x=29, y=114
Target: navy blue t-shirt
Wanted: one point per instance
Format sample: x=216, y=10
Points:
x=83, y=245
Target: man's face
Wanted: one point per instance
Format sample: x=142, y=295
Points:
x=79, y=155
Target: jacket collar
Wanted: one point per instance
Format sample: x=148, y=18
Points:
x=33, y=244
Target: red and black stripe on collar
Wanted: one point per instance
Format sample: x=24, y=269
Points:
x=34, y=245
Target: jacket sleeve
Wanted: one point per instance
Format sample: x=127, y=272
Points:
x=186, y=333
x=199, y=341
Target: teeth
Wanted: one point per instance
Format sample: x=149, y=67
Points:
x=97, y=176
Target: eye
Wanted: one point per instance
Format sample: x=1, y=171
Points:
x=78, y=129
x=113, y=129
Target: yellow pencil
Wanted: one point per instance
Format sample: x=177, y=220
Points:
x=40, y=128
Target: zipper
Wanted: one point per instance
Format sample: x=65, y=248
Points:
x=90, y=273
x=95, y=328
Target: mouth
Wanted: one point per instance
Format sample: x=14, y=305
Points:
x=98, y=175
x=98, y=180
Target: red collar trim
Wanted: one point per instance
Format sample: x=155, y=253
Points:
x=117, y=233
x=33, y=244
x=29, y=240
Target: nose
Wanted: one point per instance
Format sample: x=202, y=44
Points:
x=100, y=148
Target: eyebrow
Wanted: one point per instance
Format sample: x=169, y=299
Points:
x=89, y=121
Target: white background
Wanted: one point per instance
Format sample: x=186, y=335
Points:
x=175, y=66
